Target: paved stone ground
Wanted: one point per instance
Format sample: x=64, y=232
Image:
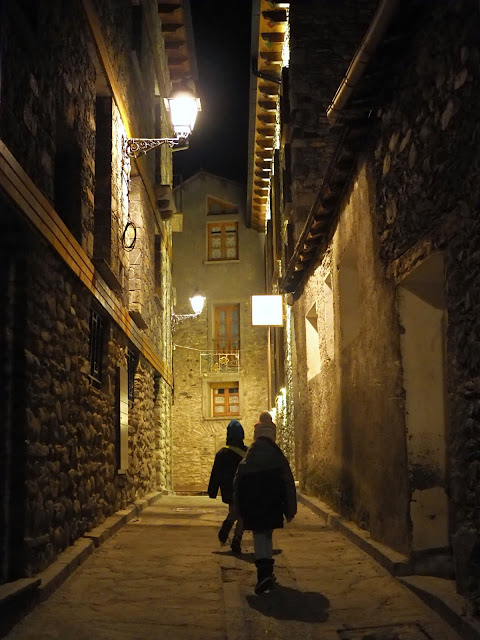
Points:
x=164, y=575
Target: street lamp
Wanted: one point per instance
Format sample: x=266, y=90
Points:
x=183, y=107
x=197, y=301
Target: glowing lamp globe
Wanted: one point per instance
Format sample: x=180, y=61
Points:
x=197, y=303
x=183, y=107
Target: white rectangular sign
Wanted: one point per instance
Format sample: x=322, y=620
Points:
x=267, y=311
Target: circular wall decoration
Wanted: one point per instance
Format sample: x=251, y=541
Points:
x=129, y=236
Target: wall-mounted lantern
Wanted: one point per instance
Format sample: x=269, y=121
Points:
x=197, y=301
x=183, y=107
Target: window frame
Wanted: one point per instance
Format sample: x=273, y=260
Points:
x=227, y=386
x=223, y=237
x=229, y=346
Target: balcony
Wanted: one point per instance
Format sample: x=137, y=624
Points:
x=220, y=362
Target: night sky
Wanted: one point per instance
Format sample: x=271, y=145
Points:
x=219, y=141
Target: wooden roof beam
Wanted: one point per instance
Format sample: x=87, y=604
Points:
x=167, y=7
x=273, y=37
x=171, y=27
x=272, y=89
x=174, y=44
x=268, y=105
x=266, y=118
x=267, y=132
x=271, y=57
x=275, y=16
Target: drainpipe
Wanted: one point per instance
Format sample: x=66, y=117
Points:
x=371, y=40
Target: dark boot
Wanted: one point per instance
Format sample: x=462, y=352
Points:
x=225, y=530
x=265, y=577
x=236, y=544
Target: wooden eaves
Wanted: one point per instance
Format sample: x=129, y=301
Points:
x=177, y=32
x=269, y=24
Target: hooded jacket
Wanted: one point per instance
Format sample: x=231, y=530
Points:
x=264, y=488
x=223, y=471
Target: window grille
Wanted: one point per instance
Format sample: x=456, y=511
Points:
x=96, y=346
x=132, y=362
x=158, y=265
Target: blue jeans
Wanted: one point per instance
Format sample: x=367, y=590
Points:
x=263, y=544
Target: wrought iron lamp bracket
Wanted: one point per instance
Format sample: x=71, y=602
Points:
x=135, y=147
x=178, y=318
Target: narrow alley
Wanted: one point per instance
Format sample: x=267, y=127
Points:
x=164, y=575
x=227, y=224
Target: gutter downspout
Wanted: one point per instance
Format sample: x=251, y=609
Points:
x=370, y=42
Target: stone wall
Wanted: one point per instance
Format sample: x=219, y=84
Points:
x=415, y=193
x=427, y=163
x=60, y=427
x=71, y=484
x=50, y=84
x=284, y=403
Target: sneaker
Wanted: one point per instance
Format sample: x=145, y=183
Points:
x=264, y=584
x=223, y=532
x=223, y=536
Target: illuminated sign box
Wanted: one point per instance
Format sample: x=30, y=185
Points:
x=267, y=311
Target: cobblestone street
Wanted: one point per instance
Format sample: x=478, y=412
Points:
x=164, y=575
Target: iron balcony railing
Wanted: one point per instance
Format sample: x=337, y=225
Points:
x=220, y=362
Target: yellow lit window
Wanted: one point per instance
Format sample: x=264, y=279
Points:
x=222, y=240
x=225, y=399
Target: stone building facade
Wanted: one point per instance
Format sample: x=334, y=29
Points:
x=85, y=275
x=219, y=359
x=375, y=247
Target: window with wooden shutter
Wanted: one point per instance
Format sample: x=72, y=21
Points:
x=222, y=240
x=227, y=328
x=225, y=399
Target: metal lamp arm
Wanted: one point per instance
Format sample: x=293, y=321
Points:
x=135, y=147
x=177, y=319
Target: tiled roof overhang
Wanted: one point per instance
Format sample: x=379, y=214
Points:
x=269, y=23
x=177, y=31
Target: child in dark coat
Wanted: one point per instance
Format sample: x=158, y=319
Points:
x=264, y=492
x=221, y=477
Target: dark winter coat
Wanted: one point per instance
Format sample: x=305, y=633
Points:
x=264, y=488
x=223, y=471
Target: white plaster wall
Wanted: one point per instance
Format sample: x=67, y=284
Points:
x=350, y=422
